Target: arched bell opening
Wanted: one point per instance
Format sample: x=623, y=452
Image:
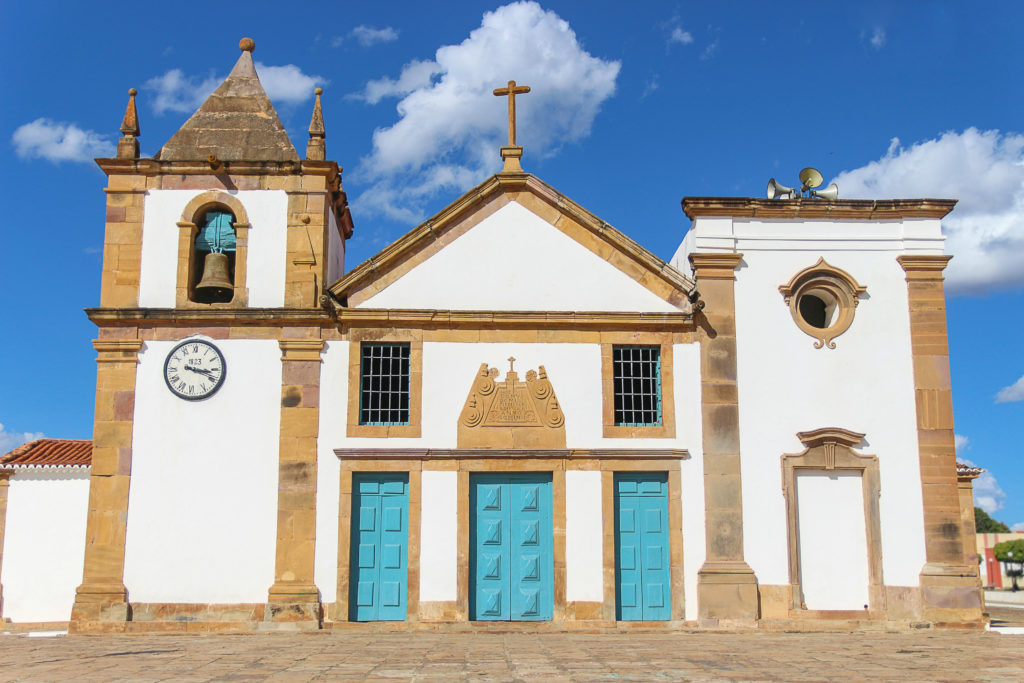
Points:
x=214, y=254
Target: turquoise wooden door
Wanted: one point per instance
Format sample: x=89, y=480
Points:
x=511, y=563
x=642, y=579
x=379, y=564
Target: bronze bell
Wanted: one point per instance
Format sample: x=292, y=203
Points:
x=215, y=273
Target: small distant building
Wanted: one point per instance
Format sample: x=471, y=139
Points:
x=993, y=575
x=44, y=503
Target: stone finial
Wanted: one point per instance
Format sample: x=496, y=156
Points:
x=247, y=44
x=316, y=149
x=128, y=145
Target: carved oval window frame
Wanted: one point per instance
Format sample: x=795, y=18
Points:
x=834, y=283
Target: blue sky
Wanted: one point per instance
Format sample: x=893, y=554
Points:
x=634, y=106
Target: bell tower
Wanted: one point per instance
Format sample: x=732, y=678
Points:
x=226, y=227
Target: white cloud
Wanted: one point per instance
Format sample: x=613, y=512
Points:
x=710, y=51
x=451, y=125
x=56, y=142
x=987, y=493
x=960, y=442
x=1019, y=526
x=415, y=75
x=877, y=39
x=336, y=41
x=1014, y=392
x=176, y=91
x=11, y=440
x=287, y=83
x=680, y=36
x=367, y=35
x=650, y=86
x=985, y=170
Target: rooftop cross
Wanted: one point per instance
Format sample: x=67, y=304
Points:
x=511, y=91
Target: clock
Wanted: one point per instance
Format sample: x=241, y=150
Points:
x=194, y=370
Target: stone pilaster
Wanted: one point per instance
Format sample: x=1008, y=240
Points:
x=950, y=590
x=307, y=231
x=726, y=585
x=294, y=600
x=101, y=602
x=122, y=245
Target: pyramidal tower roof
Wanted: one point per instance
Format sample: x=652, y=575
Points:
x=236, y=123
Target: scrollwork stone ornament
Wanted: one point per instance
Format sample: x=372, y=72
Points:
x=511, y=413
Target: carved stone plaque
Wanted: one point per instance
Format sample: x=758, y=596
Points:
x=511, y=413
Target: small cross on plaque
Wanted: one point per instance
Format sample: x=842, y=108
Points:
x=511, y=363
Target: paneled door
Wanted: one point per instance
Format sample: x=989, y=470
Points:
x=511, y=564
x=379, y=565
x=642, y=579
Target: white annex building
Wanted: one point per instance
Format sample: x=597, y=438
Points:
x=512, y=413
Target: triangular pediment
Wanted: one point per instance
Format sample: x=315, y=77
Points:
x=515, y=244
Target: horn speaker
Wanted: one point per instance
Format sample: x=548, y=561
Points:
x=830, y=192
x=777, y=191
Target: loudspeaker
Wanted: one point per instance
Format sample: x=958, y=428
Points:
x=830, y=192
x=777, y=191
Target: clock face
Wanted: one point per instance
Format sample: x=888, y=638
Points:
x=194, y=370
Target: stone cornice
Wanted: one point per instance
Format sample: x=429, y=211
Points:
x=715, y=265
x=376, y=317
x=540, y=319
x=133, y=316
x=924, y=266
x=152, y=167
x=826, y=435
x=477, y=453
x=841, y=209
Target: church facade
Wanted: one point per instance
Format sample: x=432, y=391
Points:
x=512, y=413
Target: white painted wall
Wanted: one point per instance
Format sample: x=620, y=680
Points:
x=202, y=509
x=335, y=250
x=514, y=260
x=439, y=523
x=265, y=270
x=448, y=373
x=833, y=540
x=44, y=542
x=689, y=431
x=786, y=385
x=584, y=534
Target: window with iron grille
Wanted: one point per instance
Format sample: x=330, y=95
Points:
x=384, y=384
x=636, y=375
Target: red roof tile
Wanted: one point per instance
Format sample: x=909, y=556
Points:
x=50, y=453
x=965, y=471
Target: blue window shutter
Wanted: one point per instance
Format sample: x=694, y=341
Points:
x=217, y=235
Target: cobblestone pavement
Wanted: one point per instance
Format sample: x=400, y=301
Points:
x=325, y=656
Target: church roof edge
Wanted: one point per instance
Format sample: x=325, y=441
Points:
x=50, y=453
x=841, y=209
x=413, y=241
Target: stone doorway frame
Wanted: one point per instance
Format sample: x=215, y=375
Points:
x=829, y=449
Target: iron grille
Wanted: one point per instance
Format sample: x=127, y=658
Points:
x=384, y=384
x=636, y=373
